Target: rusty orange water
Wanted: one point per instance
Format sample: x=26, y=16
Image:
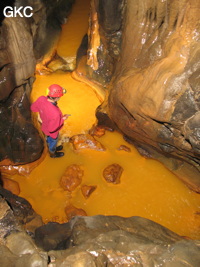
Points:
x=147, y=188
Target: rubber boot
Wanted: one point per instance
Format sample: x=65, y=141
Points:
x=58, y=148
x=56, y=154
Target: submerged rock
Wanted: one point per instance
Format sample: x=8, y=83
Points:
x=72, y=211
x=124, y=148
x=87, y=190
x=97, y=131
x=112, y=173
x=72, y=177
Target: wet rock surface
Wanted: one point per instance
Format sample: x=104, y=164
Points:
x=52, y=236
x=97, y=131
x=112, y=173
x=106, y=18
x=8, y=221
x=154, y=94
x=72, y=211
x=155, y=91
x=86, y=141
x=87, y=190
x=20, y=210
x=11, y=185
x=124, y=148
x=116, y=241
x=72, y=177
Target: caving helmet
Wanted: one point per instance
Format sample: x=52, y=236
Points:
x=55, y=90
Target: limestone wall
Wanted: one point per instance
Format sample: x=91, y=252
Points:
x=24, y=41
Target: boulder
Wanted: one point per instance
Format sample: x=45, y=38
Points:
x=86, y=141
x=112, y=173
x=72, y=177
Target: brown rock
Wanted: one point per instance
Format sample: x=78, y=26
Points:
x=97, y=131
x=71, y=178
x=125, y=148
x=11, y=185
x=72, y=211
x=148, y=103
x=24, y=216
x=86, y=141
x=112, y=173
x=87, y=190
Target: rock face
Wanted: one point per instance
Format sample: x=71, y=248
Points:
x=112, y=173
x=71, y=178
x=115, y=241
x=87, y=241
x=86, y=141
x=104, y=40
x=22, y=42
x=17, y=248
x=156, y=90
x=155, y=78
x=17, y=214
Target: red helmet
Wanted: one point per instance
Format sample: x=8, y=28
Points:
x=55, y=90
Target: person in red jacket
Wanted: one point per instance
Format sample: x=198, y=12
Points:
x=52, y=118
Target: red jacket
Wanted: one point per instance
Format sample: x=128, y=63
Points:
x=51, y=116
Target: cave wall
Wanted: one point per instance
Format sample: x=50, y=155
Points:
x=104, y=40
x=154, y=89
x=23, y=41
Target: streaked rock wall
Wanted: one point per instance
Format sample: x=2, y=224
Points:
x=154, y=99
